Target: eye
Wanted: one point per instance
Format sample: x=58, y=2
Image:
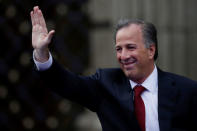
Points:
x=118, y=49
x=131, y=47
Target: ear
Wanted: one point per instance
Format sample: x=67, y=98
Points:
x=152, y=49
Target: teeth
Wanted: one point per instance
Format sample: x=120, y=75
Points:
x=130, y=61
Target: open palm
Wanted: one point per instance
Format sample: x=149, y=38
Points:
x=40, y=36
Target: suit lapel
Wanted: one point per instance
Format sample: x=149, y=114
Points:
x=124, y=92
x=124, y=96
x=167, y=95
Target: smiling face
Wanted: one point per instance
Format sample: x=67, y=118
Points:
x=136, y=61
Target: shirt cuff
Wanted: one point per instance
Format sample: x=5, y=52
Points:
x=41, y=66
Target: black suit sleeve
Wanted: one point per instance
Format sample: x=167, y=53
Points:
x=194, y=110
x=80, y=89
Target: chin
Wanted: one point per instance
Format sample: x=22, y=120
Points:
x=132, y=74
x=129, y=73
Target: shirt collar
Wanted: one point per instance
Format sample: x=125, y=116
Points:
x=150, y=83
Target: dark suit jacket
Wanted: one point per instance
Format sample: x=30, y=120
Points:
x=108, y=93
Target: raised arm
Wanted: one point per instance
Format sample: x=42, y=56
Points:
x=40, y=35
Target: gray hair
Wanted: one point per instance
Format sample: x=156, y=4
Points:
x=148, y=29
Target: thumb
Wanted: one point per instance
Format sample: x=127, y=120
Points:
x=50, y=35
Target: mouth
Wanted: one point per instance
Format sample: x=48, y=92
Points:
x=128, y=65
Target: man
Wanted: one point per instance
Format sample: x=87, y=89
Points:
x=139, y=96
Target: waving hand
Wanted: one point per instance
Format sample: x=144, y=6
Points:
x=40, y=35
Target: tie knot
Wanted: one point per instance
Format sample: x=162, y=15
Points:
x=138, y=89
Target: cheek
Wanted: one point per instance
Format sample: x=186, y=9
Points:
x=143, y=54
x=118, y=56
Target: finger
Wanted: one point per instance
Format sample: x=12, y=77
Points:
x=50, y=35
x=36, y=7
x=42, y=20
x=32, y=18
x=36, y=15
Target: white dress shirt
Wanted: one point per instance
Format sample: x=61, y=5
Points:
x=150, y=98
x=45, y=65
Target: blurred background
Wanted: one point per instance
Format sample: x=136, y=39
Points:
x=83, y=42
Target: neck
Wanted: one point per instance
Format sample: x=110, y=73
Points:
x=145, y=75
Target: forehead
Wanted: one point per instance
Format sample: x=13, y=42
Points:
x=131, y=32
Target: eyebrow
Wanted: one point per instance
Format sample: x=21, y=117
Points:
x=127, y=44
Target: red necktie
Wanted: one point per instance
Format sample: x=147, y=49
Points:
x=139, y=106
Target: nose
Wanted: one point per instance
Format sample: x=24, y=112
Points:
x=125, y=54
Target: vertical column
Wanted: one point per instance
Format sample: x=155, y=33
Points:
x=101, y=39
x=149, y=10
x=121, y=9
x=179, y=34
x=191, y=45
x=162, y=21
x=134, y=8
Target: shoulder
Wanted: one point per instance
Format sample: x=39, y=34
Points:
x=178, y=79
x=110, y=73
